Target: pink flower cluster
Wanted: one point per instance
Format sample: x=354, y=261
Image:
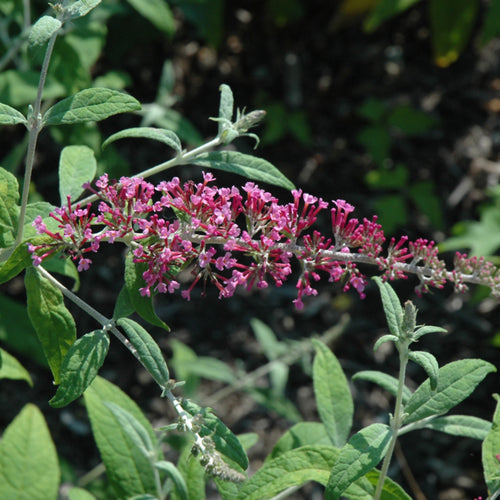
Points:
x=243, y=238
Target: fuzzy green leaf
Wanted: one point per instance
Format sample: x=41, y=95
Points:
x=77, y=166
x=157, y=134
x=11, y=368
x=81, y=8
x=249, y=166
x=491, y=453
x=176, y=477
x=390, y=490
x=133, y=429
x=80, y=494
x=43, y=29
x=456, y=381
x=147, y=349
x=80, y=366
x=293, y=468
x=128, y=470
x=460, y=425
x=225, y=441
x=28, y=459
x=9, y=209
x=301, y=434
x=142, y=305
x=11, y=116
x=226, y=105
x=363, y=452
x=383, y=339
x=157, y=12
x=429, y=363
x=392, y=306
x=424, y=330
x=93, y=104
x=53, y=323
x=387, y=382
x=333, y=396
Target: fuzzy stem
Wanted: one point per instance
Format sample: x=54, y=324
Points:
x=396, y=421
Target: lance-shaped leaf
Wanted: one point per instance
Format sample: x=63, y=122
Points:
x=429, y=363
x=156, y=12
x=175, y=476
x=333, y=396
x=10, y=116
x=147, y=349
x=28, y=459
x=80, y=366
x=387, y=382
x=128, y=470
x=16, y=260
x=9, y=209
x=249, y=166
x=43, y=29
x=157, y=134
x=456, y=381
x=77, y=166
x=491, y=453
x=225, y=441
x=133, y=283
x=226, y=106
x=93, y=104
x=133, y=429
x=53, y=323
x=363, y=452
x=81, y=8
x=455, y=425
x=11, y=368
x=392, y=306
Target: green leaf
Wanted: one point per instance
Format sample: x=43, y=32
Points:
x=267, y=339
x=211, y=369
x=175, y=476
x=81, y=8
x=387, y=382
x=11, y=368
x=77, y=166
x=133, y=282
x=80, y=494
x=410, y=121
x=43, y=29
x=246, y=165
x=390, y=490
x=93, y=104
x=15, y=262
x=133, y=429
x=333, y=396
x=452, y=22
x=9, y=209
x=424, y=330
x=128, y=470
x=377, y=141
x=292, y=468
x=392, y=306
x=53, y=323
x=157, y=12
x=225, y=441
x=363, y=452
x=491, y=24
x=383, y=339
x=384, y=10
x=226, y=105
x=157, y=134
x=194, y=475
x=429, y=363
x=459, y=425
x=491, y=451
x=28, y=459
x=123, y=305
x=11, y=116
x=80, y=366
x=66, y=267
x=147, y=349
x=456, y=381
x=301, y=434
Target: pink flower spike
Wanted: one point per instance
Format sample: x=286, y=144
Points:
x=39, y=225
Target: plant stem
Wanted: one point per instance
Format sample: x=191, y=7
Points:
x=396, y=422
x=180, y=159
x=34, y=127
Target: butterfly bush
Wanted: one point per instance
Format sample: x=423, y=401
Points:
x=244, y=238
